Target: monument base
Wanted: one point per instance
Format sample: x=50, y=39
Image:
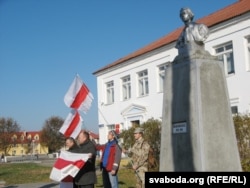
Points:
x=197, y=128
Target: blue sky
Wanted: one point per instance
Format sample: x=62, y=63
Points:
x=45, y=43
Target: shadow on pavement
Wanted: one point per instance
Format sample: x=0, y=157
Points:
x=34, y=185
x=50, y=185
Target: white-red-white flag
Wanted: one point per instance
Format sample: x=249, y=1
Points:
x=78, y=96
x=67, y=165
x=72, y=125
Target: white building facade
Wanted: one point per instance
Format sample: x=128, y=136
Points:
x=130, y=90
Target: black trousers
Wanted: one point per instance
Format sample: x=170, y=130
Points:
x=105, y=179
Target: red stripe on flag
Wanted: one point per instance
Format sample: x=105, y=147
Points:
x=72, y=125
x=80, y=97
x=61, y=163
x=79, y=163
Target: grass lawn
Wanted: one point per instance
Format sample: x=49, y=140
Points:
x=20, y=173
x=126, y=177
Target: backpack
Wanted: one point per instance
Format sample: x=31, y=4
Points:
x=152, y=162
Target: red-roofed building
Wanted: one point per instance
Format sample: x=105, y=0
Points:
x=26, y=143
x=130, y=90
x=94, y=136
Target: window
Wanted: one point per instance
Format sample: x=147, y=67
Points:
x=36, y=137
x=117, y=128
x=143, y=83
x=225, y=54
x=248, y=53
x=234, y=109
x=111, y=127
x=126, y=88
x=161, y=73
x=110, y=92
x=14, y=141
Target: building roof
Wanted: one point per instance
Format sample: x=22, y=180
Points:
x=222, y=15
x=93, y=135
x=28, y=137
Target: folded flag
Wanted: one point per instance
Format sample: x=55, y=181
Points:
x=67, y=164
x=78, y=96
x=72, y=124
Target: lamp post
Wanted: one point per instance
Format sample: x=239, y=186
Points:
x=33, y=142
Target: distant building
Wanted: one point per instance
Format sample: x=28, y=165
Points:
x=94, y=136
x=26, y=143
x=130, y=90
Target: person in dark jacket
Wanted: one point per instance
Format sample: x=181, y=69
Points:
x=86, y=177
x=71, y=144
x=110, y=160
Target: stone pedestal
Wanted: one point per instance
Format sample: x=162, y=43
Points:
x=197, y=127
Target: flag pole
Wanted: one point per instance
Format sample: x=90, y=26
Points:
x=99, y=110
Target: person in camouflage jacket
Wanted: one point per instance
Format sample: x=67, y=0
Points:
x=139, y=157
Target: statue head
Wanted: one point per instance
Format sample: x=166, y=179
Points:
x=186, y=14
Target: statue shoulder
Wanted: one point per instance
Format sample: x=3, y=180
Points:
x=202, y=32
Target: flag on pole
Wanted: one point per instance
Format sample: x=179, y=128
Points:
x=67, y=164
x=72, y=125
x=78, y=96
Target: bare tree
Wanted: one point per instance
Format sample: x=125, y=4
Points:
x=8, y=126
x=50, y=135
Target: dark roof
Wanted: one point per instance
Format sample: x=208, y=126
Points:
x=224, y=14
x=93, y=135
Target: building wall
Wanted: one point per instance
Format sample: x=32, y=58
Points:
x=150, y=106
x=25, y=149
x=239, y=90
x=136, y=108
x=26, y=143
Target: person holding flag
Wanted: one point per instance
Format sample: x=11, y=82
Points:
x=71, y=146
x=79, y=165
x=86, y=177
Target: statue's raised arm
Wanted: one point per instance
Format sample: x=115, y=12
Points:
x=192, y=32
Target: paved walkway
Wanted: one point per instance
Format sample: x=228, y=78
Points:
x=34, y=185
